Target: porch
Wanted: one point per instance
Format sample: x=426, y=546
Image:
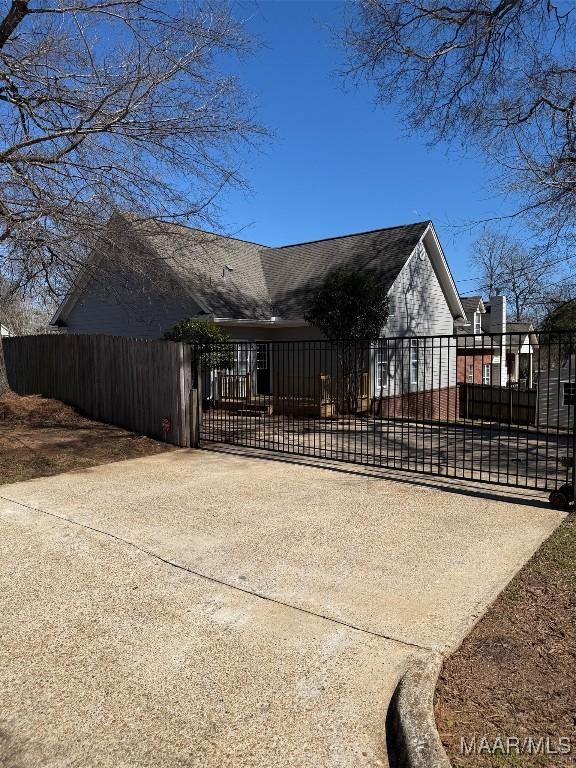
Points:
x=322, y=396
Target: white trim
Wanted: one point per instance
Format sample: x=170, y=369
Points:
x=414, y=361
x=276, y=322
x=380, y=357
x=440, y=265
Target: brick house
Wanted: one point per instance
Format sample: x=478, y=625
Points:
x=492, y=350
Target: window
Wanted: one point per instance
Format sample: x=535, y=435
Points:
x=487, y=373
x=262, y=357
x=243, y=359
x=382, y=368
x=414, y=361
x=477, y=322
x=471, y=373
x=568, y=393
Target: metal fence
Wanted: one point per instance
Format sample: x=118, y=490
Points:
x=487, y=407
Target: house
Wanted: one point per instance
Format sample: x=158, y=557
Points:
x=154, y=274
x=492, y=350
x=522, y=353
x=556, y=403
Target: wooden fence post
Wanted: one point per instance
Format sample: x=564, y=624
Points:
x=196, y=400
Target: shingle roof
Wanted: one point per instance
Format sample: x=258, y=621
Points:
x=224, y=273
x=294, y=271
x=519, y=326
x=470, y=304
x=238, y=279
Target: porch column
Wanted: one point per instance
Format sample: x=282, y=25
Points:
x=504, y=373
x=516, y=367
x=530, y=370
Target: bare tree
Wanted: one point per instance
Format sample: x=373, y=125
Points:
x=110, y=105
x=509, y=267
x=559, y=305
x=489, y=253
x=21, y=315
x=501, y=74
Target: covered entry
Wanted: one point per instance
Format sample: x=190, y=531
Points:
x=246, y=377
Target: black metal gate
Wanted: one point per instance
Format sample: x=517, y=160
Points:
x=498, y=408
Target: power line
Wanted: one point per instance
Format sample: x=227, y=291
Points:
x=527, y=271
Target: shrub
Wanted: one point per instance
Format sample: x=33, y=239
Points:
x=210, y=339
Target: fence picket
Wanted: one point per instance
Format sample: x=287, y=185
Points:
x=132, y=383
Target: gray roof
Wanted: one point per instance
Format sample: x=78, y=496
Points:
x=519, y=326
x=242, y=280
x=470, y=304
x=224, y=273
x=294, y=271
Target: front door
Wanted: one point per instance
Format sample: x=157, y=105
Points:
x=262, y=370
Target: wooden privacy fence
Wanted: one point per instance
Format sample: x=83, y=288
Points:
x=482, y=401
x=144, y=386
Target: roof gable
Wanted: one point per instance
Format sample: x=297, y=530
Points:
x=293, y=272
x=472, y=304
x=239, y=280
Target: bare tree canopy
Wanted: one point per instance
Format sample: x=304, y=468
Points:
x=499, y=73
x=507, y=266
x=21, y=316
x=111, y=105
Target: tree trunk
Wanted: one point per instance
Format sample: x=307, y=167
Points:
x=3, y=378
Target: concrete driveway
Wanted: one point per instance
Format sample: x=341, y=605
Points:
x=204, y=609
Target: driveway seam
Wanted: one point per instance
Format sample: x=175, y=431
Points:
x=215, y=580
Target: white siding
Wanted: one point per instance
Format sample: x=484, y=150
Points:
x=418, y=307
x=417, y=302
x=128, y=305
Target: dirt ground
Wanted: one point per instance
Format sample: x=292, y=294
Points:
x=40, y=437
x=515, y=674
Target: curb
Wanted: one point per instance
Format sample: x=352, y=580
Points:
x=413, y=739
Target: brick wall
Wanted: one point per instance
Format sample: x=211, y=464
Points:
x=467, y=358
x=436, y=404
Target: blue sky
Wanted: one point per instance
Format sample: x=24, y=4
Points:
x=338, y=163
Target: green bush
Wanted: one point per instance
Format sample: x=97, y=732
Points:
x=211, y=341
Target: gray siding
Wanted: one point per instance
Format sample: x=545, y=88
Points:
x=132, y=305
x=552, y=412
x=418, y=308
x=128, y=305
x=290, y=333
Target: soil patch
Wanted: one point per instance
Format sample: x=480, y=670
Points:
x=515, y=674
x=40, y=437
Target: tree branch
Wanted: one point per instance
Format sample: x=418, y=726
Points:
x=18, y=10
